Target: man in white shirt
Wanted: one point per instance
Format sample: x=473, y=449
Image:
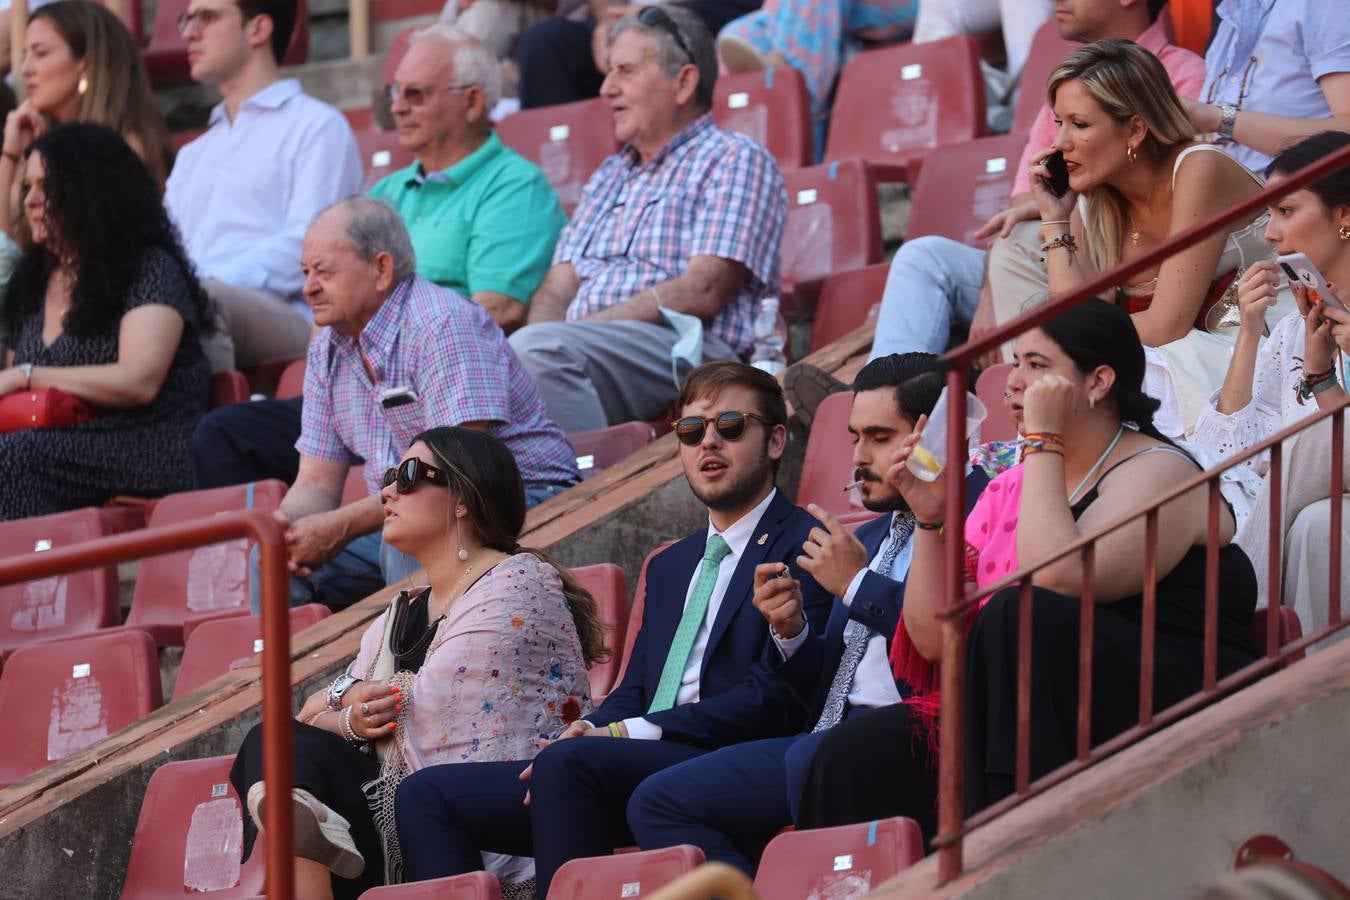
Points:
x=739, y=796
x=244, y=192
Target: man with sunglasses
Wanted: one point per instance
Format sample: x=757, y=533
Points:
x=738, y=797
x=244, y=192
x=700, y=675
x=483, y=219
x=675, y=242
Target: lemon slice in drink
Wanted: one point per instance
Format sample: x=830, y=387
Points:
x=924, y=464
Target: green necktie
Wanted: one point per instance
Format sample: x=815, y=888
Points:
x=690, y=622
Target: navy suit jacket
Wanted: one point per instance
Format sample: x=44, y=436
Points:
x=876, y=604
x=741, y=698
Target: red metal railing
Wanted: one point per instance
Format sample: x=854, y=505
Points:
x=952, y=822
x=275, y=629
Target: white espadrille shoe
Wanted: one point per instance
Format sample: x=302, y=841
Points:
x=320, y=833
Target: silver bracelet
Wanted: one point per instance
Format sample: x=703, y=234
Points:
x=345, y=723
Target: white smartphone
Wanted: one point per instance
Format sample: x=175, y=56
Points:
x=1300, y=269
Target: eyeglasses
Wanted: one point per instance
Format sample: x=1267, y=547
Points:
x=406, y=475
x=199, y=20
x=730, y=425
x=416, y=95
x=656, y=17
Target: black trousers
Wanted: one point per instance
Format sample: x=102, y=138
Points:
x=245, y=442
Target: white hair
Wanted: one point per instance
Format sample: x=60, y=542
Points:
x=473, y=63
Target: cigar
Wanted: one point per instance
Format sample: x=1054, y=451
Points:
x=853, y=484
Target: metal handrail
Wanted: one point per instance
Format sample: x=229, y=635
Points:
x=952, y=824
x=276, y=631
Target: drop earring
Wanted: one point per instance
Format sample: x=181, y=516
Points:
x=1344, y=233
x=459, y=539
x=82, y=87
x=1092, y=402
x=1131, y=154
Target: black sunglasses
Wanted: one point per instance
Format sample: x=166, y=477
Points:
x=406, y=475
x=656, y=17
x=730, y=425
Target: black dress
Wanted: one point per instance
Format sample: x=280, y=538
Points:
x=334, y=770
x=991, y=683
x=143, y=451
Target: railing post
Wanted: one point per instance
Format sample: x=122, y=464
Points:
x=358, y=28
x=1334, y=573
x=276, y=720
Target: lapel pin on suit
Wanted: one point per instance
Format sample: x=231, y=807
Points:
x=762, y=538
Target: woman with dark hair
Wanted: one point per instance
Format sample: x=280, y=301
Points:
x=103, y=305
x=1085, y=366
x=477, y=667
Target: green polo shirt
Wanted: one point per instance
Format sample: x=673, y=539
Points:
x=487, y=223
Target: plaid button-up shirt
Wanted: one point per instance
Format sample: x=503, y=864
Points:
x=451, y=354
x=708, y=192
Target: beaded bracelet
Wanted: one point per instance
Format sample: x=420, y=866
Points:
x=1064, y=240
x=348, y=732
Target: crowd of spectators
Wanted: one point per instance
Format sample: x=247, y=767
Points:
x=456, y=325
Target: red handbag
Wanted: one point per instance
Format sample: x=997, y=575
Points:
x=42, y=408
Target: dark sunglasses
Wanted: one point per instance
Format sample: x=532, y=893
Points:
x=655, y=17
x=406, y=475
x=730, y=425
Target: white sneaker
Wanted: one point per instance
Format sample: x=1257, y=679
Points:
x=320, y=833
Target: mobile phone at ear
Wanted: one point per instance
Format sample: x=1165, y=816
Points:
x=1059, y=173
x=1300, y=270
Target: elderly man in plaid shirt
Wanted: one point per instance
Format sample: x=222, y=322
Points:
x=679, y=229
x=399, y=355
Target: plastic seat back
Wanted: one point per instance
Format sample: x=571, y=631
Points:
x=218, y=645
x=381, y=154
x=848, y=300
x=962, y=187
x=567, y=141
x=895, y=105
x=603, y=447
x=214, y=579
x=189, y=837
x=228, y=387
x=470, y=886
x=989, y=387
x=635, y=613
x=1291, y=629
x=61, y=605
x=1047, y=49
x=828, y=464
x=833, y=224
x=166, y=59
x=772, y=107
x=846, y=861
x=59, y=697
x=291, y=384
x=609, y=587
x=623, y=874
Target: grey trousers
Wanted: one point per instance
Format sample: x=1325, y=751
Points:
x=594, y=374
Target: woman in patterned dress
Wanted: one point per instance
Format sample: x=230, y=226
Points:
x=479, y=666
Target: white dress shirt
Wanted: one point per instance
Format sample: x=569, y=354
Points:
x=738, y=537
x=243, y=194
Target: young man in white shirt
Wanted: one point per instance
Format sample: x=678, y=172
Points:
x=244, y=192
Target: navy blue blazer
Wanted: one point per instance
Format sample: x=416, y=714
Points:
x=876, y=604
x=740, y=696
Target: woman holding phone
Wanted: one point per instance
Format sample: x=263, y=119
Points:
x=1295, y=372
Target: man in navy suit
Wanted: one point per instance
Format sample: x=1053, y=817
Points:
x=701, y=675
x=733, y=800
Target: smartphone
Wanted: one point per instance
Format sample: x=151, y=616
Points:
x=1059, y=174
x=396, y=397
x=1300, y=269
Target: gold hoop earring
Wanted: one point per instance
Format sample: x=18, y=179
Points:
x=1344, y=233
x=83, y=87
x=1131, y=154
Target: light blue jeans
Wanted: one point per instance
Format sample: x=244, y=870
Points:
x=934, y=283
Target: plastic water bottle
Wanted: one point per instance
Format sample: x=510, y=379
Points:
x=771, y=337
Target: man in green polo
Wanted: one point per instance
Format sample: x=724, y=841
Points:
x=483, y=220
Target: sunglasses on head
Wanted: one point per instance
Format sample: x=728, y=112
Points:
x=656, y=17
x=408, y=474
x=730, y=425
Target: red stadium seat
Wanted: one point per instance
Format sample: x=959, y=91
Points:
x=166, y=56
x=963, y=186
x=567, y=141
x=1047, y=49
x=59, y=697
x=192, y=583
x=989, y=387
x=189, y=837
x=61, y=605
x=623, y=874
x=635, y=613
x=381, y=154
x=292, y=381
x=609, y=587
x=833, y=225
x=828, y=463
x=603, y=447
x=846, y=861
x=1291, y=629
x=228, y=387
x=472, y=886
x=218, y=645
x=848, y=300
x=895, y=105
x=773, y=108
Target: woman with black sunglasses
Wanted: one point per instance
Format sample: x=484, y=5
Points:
x=478, y=666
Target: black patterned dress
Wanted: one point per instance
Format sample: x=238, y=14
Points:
x=142, y=451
